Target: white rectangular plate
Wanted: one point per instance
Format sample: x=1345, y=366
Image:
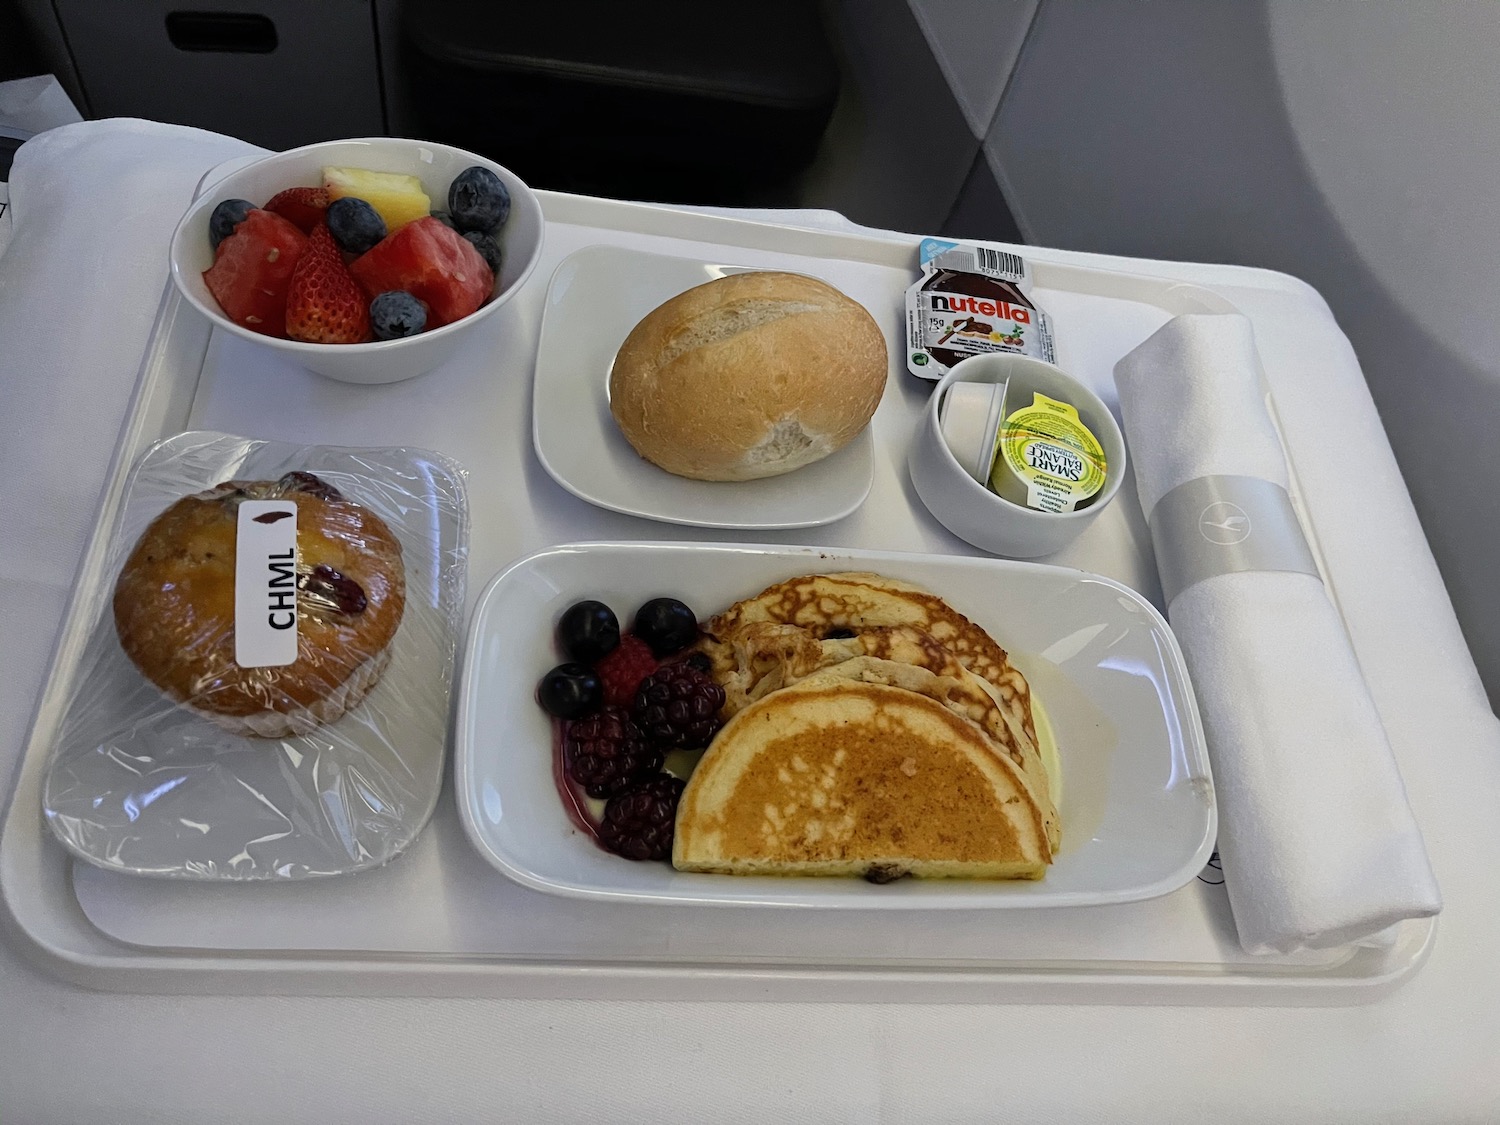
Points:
x=1137, y=806
x=598, y=294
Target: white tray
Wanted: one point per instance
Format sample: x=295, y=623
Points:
x=439, y=920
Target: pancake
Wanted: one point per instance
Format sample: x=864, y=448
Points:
x=799, y=627
x=854, y=778
x=964, y=694
x=857, y=601
x=762, y=657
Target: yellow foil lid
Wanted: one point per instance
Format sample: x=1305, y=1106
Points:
x=1047, y=458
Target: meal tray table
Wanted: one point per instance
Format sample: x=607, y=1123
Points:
x=438, y=920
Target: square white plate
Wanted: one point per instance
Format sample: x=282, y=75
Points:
x=1137, y=805
x=597, y=295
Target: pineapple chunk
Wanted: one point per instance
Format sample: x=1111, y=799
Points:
x=398, y=199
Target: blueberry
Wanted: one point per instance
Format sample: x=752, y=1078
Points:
x=444, y=218
x=570, y=691
x=666, y=625
x=227, y=215
x=396, y=314
x=488, y=249
x=477, y=200
x=354, y=224
x=588, y=631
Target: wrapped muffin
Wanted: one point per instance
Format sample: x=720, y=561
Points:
x=332, y=600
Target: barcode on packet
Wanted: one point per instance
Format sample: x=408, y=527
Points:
x=999, y=262
x=982, y=259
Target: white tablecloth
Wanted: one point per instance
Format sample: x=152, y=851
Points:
x=1431, y=1051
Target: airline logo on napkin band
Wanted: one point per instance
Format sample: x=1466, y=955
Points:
x=265, y=584
x=1223, y=525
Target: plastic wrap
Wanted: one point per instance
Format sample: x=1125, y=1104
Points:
x=253, y=772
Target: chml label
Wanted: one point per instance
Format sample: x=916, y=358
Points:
x=265, y=584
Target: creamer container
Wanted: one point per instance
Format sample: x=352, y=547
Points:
x=970, y=417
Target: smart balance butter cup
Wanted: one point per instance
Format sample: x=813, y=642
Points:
x=1057, y=455
x=1047, y=459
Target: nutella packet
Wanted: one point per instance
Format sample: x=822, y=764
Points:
x=971, y=299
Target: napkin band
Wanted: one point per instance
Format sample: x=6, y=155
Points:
x=1217, y=525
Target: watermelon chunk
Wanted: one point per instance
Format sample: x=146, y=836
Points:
x=432, y=262
x=252, y=269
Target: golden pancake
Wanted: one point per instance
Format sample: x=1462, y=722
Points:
x=856, y=601
x=852, y=778
x=796, y=628
x=964, y=694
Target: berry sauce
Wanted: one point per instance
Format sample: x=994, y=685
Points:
x=575, y=801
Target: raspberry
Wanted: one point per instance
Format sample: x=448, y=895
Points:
x=622, y=670
x=638, y=823
x=605, y=752
x=678, y=705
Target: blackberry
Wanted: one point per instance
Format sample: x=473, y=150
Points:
x=678, y=706
x=606, y=752
x=638, y=823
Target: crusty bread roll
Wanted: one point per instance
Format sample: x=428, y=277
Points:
x=748, y=376
x=174, y=608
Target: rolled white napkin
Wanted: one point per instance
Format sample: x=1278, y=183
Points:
x=1318, y=844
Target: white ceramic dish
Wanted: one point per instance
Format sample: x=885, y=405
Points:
x=1137, y=806
x=598, y=294
x=966, y=506
x=381, y=361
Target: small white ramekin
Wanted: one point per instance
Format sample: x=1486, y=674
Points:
x=966, y=506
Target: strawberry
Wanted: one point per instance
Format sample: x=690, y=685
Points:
x=303, y=207
x=434, y=264
x=253, y=269
x=324, y=304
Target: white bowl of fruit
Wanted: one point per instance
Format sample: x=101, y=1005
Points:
x=368, y=261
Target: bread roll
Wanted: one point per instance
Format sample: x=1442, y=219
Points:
x=748, y=376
